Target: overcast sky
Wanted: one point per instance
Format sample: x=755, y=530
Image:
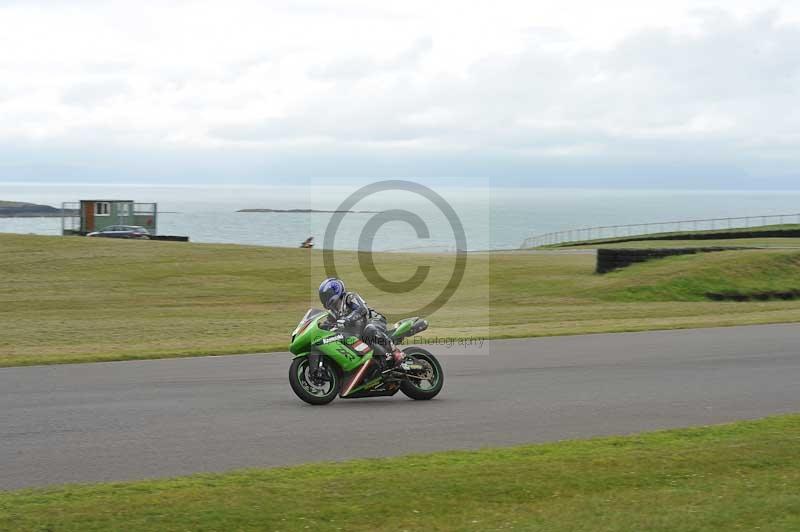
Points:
x=568, y=93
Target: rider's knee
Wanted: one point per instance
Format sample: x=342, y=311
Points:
x=374, y=335
x=370, y=334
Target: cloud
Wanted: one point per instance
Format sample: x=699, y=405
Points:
x=345, y=69
x=514, y=89
x=354, y=68
x=656, y=85
x=93, y=93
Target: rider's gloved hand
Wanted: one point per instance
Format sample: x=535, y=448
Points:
x=340, y=324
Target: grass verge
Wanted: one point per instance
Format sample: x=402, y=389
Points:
x=70, y=299
x=740, y=476
x=682, y=279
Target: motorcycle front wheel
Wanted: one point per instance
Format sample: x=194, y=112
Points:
x=318, y=389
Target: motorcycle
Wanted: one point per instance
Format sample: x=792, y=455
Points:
x=331, y=361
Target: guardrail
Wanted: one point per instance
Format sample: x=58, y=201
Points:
x=620, y=231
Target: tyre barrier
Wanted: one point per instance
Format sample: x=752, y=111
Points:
x=171, y=238
x=786, y=295
x=610, y=259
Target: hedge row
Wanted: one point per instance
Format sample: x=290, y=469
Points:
x=613, y=259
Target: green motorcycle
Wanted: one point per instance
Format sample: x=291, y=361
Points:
x=331, y=362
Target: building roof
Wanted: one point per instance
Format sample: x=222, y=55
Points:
x=108, y=200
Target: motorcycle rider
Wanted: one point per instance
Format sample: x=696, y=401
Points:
x=351, y=312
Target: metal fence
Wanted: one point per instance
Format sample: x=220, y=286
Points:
x=70, y=217
x=620, y=231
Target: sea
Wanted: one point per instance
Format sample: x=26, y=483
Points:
x=478, y=218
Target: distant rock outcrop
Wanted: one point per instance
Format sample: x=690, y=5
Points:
x=18, y=209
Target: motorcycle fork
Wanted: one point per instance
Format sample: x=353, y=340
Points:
x=315, y=362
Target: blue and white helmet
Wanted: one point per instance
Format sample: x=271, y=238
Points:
x=330, y=292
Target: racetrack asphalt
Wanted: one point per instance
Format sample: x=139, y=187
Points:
x=158, y=418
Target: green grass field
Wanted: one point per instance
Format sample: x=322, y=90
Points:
x=66, y=299
x=741, y=476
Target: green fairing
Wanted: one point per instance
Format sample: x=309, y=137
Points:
x=365, y=386
x=403, y=326
x=343, y=355
x=302, y=338
x=307, y=333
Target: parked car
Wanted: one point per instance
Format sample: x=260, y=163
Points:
x=123, y=231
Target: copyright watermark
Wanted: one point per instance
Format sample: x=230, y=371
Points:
x=369, y=232
x=409, y=251
x=449, y=342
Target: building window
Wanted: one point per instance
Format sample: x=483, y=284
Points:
x=102, y=208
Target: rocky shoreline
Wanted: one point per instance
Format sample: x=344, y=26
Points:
x=18, y=209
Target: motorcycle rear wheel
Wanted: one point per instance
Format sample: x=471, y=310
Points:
x=417, y=389
x=312, y=392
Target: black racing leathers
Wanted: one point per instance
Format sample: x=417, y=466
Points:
x=369, y=323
